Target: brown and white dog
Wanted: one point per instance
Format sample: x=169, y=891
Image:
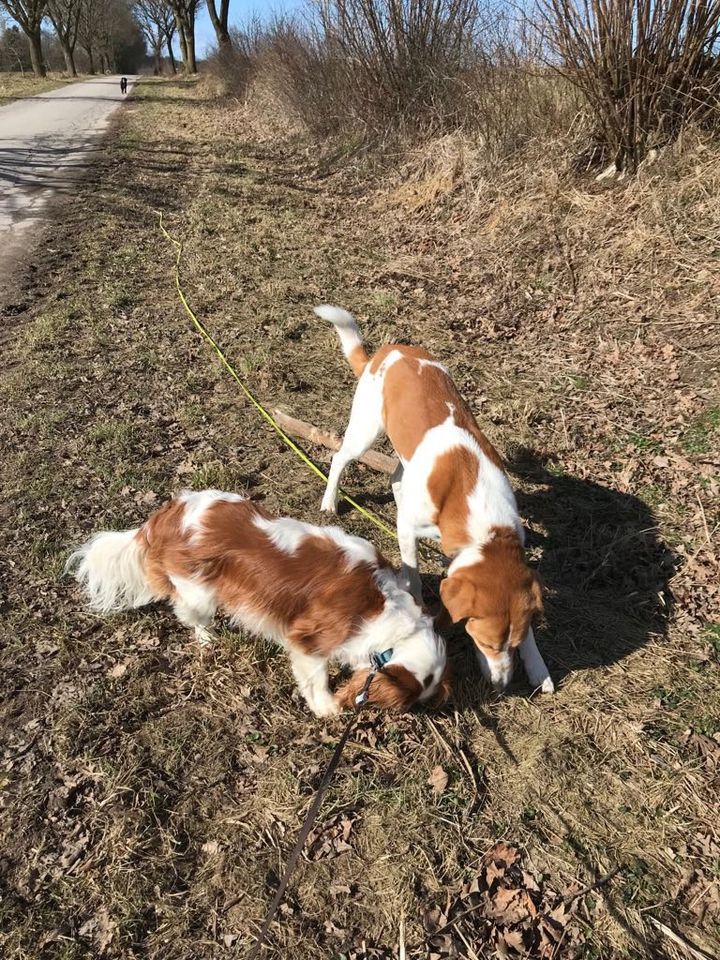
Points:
x=450, y=486
x=317, y=591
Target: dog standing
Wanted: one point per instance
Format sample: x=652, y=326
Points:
x=450, y=486
x=319, y=592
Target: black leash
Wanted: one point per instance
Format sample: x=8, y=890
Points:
x=378, y=663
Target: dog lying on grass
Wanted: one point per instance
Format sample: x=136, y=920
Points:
x=317, y=591
x=450, y=486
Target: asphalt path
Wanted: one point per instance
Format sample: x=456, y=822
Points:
x=46, y=144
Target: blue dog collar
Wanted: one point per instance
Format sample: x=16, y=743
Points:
x=377, y=664
x=380, y=659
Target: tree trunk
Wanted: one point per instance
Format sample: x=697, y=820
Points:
x=36, y=54
x=91, y=60
x=219, y=23
x=171, y=55
x=157, y=54
x=183, y=45
x=190, y=44
x=68, y=57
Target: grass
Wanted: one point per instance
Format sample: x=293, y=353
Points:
x=13, y=86
x=703, y=435
x=153, y=789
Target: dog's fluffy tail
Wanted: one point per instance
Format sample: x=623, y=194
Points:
x=350, y=338
x=110, y=568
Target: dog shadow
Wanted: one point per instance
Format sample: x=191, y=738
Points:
x=605, y=573
x=605, y=568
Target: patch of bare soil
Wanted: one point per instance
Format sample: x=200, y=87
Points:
x=150, y=789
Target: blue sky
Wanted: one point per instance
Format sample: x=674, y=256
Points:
x=240, y=11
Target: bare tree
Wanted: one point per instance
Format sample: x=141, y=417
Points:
x=185, y=12
x=87, y=30
x=65, y=18
x=166, y=22
x=220, y=21
x=109, y=34
x=150, y=15
x=169, y=34
x=29, y=14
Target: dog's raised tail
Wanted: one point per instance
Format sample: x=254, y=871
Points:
x=110, y=568
x=350, y=338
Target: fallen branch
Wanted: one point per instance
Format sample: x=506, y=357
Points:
x=680, y=941
x=306, y=431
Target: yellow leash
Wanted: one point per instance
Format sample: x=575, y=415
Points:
x=368, y=514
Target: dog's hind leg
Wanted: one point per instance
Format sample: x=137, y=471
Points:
x=407, y=540
x=363, y=429
x=194, y=605
x=396, y=483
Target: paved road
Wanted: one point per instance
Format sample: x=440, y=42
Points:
x=46, y=143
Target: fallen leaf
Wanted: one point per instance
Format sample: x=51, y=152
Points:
x=503, y=852
x=101, y=928
x=438, y=779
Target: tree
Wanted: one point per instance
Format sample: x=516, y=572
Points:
x=110, y=36
x=65, y=18
x=169, y=34
x=185, y=12
x=88, y=29
x=14, y=53
x=157, y=22
x=220, y=22
x=28, y=14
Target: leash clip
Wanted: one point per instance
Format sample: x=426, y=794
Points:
x=377, y=662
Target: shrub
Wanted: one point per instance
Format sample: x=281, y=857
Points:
x=646, y=67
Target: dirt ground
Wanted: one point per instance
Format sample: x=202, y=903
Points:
x=151, y=789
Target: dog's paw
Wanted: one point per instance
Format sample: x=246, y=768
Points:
x=325, y=706
x=543, y=683
x=204, y=636
x=329, y=505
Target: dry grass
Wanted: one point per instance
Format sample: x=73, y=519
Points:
x=151, y=790
x=13, y=86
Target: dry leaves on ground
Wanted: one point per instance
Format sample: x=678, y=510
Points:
x=331, y=838
x=505, y=907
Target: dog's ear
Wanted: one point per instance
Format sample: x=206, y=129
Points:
x=457, y=594
x=444, y=688
x=394, y=688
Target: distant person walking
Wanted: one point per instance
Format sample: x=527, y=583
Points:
x=123, y=85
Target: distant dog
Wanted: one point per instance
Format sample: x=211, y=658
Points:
x=451, y=486
x=123, y=85
x=318, y=592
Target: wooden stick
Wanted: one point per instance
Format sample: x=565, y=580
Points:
x=306, y=431
x=680, y=941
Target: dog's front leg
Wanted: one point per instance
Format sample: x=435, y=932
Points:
x=341, y=459
x=537, y=671
x=312, y=679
